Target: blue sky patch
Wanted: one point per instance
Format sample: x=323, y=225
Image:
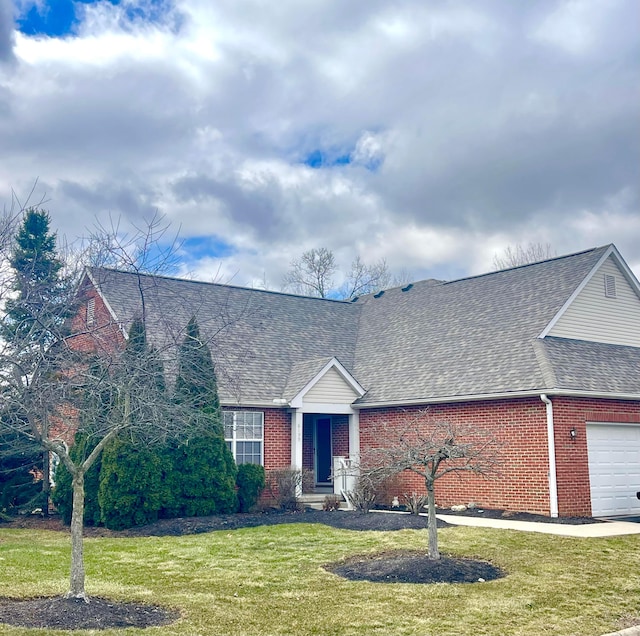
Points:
x=55, y=18
x=58, y=18
x=321, y=159
x=207, y=246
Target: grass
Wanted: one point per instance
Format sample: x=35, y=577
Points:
x=270, y=581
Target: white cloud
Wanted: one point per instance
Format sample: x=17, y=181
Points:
x=468, y=127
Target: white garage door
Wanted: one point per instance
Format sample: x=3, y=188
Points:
x=614, y=468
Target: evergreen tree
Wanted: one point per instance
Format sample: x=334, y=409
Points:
x=38, y=311
x=34, y=319
x=130, y=489
x=204, y=471
x=20, y=462
x=196, y=384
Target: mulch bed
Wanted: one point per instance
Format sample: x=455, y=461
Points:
x=98, y=613
x=340, y=519
x=415, y=567
x=518, y=516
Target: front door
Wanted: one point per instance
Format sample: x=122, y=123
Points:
x=323, y=450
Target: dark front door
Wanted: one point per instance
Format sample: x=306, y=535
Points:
x=323, y=450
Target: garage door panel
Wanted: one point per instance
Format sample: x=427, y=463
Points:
x=614, y=468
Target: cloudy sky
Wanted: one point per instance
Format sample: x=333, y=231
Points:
x=431, y=133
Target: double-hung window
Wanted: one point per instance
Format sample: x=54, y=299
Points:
x=244, y=434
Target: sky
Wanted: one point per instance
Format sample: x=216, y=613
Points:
x=430, y=133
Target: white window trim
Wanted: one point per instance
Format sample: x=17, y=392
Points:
x=234, y=440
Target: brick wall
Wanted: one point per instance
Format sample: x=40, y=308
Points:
x=519, y=426
x=103, y=336
x=574, y=496
x=340, y=435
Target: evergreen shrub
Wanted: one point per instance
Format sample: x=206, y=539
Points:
x=200, y=479
x=130, y=490
x=251, y=482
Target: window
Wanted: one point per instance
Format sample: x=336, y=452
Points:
x=244, y=434
x=91, y=311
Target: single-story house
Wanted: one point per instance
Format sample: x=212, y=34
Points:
x=545, y=356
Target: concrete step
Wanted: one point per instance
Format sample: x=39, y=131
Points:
x=316, y=500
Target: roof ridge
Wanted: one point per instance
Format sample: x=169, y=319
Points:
x=178, y=279
x=533, y=264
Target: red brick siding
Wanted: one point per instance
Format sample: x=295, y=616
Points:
x=340, y=435
x=103, y=336
x=574, y=495
x=519, y=426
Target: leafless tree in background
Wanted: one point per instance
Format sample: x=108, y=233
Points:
x=523, y=255
x=313, y=274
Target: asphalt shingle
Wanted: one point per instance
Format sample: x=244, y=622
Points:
x=430, y=340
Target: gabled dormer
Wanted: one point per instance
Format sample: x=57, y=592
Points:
x=331, y=388
x=604, y=308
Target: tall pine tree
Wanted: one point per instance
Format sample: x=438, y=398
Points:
x=37, y=312
x=34, y=318
x=204, y=471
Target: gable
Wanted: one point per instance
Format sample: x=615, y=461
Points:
x=331, y=388
x=607, y=309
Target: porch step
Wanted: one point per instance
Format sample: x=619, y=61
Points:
x=315, y=500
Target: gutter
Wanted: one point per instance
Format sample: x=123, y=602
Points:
x=497, y=396
x=553, y=481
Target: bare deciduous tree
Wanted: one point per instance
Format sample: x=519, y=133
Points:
x=50, y=393
x=522, y=255
x=431, y=448
x=314, y=272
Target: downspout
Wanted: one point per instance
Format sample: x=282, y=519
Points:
x=553, y=481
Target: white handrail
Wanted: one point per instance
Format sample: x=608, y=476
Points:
x=344, y=475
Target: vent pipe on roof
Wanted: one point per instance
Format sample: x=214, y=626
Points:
x=407, y=288
x=378, y=294
x=553, y=481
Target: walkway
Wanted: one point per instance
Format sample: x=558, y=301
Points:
x=605, y=529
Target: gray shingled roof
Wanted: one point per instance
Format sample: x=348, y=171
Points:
x=257, y=337
x=436, y=340
x=579, y=365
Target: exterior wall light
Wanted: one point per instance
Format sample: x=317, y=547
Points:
x=573, y=433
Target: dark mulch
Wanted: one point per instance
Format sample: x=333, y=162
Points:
x=415, y=567
x=518, y=516
x=99, y=613
x=342, y=519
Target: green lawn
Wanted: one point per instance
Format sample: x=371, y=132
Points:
x=270, y=580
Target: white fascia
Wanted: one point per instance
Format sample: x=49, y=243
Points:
x=334, y=363
x=453, y=399
x=106, y=303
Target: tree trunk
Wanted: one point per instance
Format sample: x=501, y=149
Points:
x=46, y=482
x=434, y=553
x=76, y=589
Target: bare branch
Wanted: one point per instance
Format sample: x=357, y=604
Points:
x=523, y=255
